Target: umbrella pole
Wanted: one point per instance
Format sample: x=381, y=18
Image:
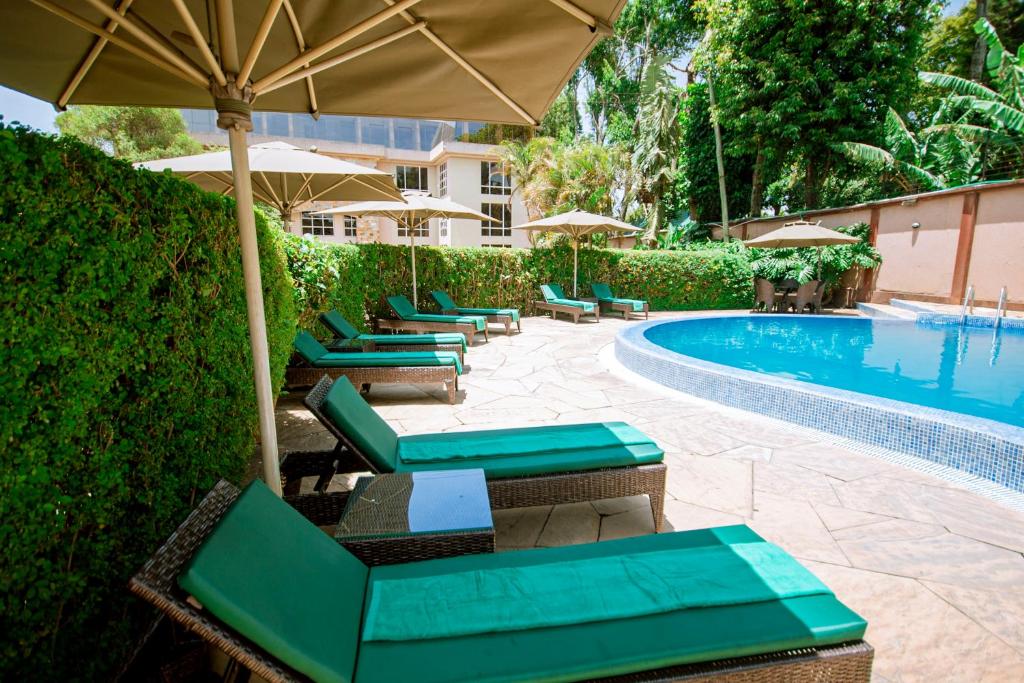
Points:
x=575, y=264
x=254, y=304
x=412, y=257
x=819, y=263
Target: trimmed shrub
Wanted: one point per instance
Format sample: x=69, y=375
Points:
x=326, y=276
x=126, y=392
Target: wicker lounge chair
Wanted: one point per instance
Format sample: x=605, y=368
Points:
x=524, y=467
x=348, y=338
x=764, y=296
x=556, y=302
x=503, y=316
x=253, y=578
x=410, y=320
x=808, y=295
x=364, y=369
x=607, y=302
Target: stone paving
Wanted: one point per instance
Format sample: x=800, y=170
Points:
x=937, y=571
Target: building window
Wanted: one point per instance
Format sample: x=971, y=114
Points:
x=314, y=224
x=497, y=246
x=405, y=134
x=411, y=177
x=443, y=225
x=493, y=179
x=349, y=226
x=421, y=231
x=502, y=214
x=442, y=180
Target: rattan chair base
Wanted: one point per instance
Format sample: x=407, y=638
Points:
x=402, y=549
x=424, y=327
x=573, y=311
x=505, y=320
x=157, y=583
x=363, y=378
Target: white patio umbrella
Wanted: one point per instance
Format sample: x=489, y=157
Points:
x=284, y=176
x=576, y=224
x=412, y=214
x=801, y=234
x=504, y=62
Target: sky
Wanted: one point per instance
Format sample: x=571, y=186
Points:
x=15, y=106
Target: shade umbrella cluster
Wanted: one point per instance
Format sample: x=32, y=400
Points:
x=801, y=234
x=414, y=211
x=577, y=224
x=416, y=58
x=284, y=176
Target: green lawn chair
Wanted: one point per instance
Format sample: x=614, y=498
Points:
x=367, y=368
x=504, y=316
x=625, y=306
x=411, y=320
x=555, y=301
x=348, y=337
x=253, y=577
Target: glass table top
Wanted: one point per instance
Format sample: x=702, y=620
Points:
x=416, y=503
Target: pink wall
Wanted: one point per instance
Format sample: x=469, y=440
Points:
x=921, y=260
x=997, y=256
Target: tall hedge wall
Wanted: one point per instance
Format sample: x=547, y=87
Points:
x=126, y=389
x=357, y=279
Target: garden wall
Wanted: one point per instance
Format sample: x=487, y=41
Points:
x=126, y=393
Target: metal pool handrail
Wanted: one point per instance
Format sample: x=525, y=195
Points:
x=1001, y=307
x=969, y=296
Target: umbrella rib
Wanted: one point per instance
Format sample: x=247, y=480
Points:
x=200, y=41
x=334, y=61
x=590, y=20
x=226, y=34
x=321, y=50
x=301, y=42
x=149, y=41
x=273, y=7
x=100, y=32
x=308, y=178
x=91, y=57
x=268, y=188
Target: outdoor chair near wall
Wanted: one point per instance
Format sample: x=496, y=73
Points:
x=555, y=302
x=608, y=302
x=764, y=295
x=411, y=320
x=502, y=316
x=528, y=466
x=253, y=578
x=367, y=368
x=808, y=295
x=348, y=338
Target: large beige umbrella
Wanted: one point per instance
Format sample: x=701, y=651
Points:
x=412, y=214
x=576, y=224
x=801, y=234
x=449, y=59
x=284, y=176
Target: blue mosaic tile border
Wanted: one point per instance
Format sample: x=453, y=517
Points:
x=928, y=315
x=985, y=448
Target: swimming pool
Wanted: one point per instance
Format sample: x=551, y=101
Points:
x=953, y=395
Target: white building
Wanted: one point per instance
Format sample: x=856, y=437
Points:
x=422, y=155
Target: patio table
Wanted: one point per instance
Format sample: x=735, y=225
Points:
x=397, y=518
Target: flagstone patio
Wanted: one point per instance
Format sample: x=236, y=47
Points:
x=937, y=571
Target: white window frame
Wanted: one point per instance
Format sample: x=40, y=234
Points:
x=442, y=180
x=349, y=226
x=494, y=178
x=443, y=226
x=496, y=210
x=422, y=231
x=317, y=225
x=402, y=176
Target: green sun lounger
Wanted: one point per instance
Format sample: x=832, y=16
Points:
x=411, y=320
x=555, y=302
x=348, y=337
x=290, y=603
x=366, y=368
x=625, y=306
x=505, y=316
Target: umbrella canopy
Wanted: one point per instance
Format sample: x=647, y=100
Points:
x=454, y=59
x=284, y=176
x=576, y=224
x=413, y=213
x=801, y=234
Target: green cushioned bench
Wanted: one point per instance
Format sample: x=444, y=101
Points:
x=411, y=320
x=555, y=302
x=606, y=300
x=336, y=620
x=504, y=316
x=366, y=368
x=347, y=337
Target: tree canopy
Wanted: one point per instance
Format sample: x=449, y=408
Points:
x=132, y=133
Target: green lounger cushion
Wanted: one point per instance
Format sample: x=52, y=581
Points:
x=283, y=584
x=337, y=324
x=553, y=295
x=575, y=591
x=604, y=294
x=356, y=419
x=446, y=304
x=406, y=311
x=341, y=327
x=604, y=648
x=317, y=355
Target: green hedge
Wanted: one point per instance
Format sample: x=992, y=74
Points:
x=126, y=392
x=357, y=279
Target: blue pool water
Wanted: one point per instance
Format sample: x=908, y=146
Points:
x=964, y=370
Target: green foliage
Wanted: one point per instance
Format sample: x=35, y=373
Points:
x=802, y=264
x=562, y=120
x=326, y=276
x=132, y=133
x=126, y=392
x=950, y=41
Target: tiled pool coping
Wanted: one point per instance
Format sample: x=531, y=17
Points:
x=985, y=448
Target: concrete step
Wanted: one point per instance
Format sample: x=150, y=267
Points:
x=885, y=311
